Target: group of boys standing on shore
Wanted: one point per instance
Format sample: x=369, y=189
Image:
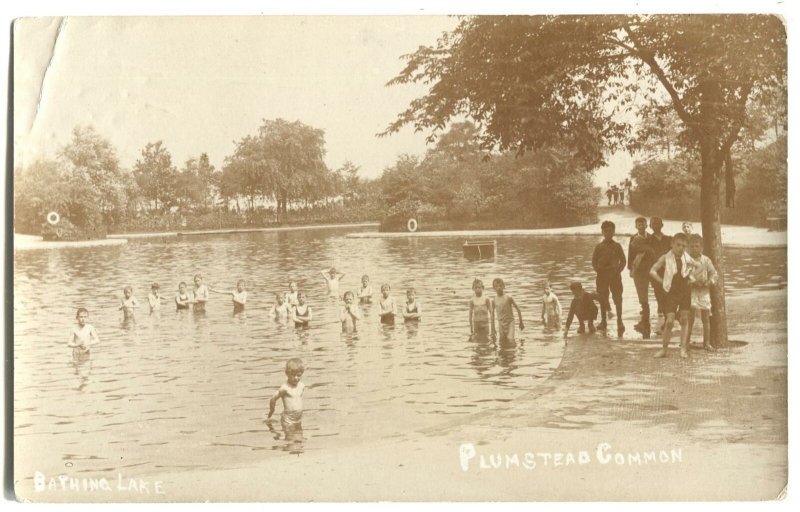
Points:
x=680, y=278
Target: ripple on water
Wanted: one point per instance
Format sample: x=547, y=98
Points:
x=178, y=390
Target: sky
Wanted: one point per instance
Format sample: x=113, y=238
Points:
x=201, y=84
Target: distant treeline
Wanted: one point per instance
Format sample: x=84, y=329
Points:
x=278, y=176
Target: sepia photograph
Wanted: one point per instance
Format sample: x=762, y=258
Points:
x=406, y=258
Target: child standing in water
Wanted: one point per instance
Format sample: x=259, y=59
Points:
x=350, y=314
x=281, y=310
x=481, y=312
x=128, y=304
x=200, y=295
x=702, y=276
x=387, y=304
x=301, y=314
x=551, y=308
x=291, y=295
x=583, y=308
x=504, y=306
x=411, y=310
x=365, y=293
x=83, y=336
x=291, y=394
x=332, y=278
x=182, y=298
x=154, y=299
x=239, y=295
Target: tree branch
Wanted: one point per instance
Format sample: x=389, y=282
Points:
x=739, y=121
x=649, y=59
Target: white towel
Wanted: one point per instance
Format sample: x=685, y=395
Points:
x=671, y=268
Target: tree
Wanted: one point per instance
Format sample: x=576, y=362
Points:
x=156, y=175
x=284, y=161
x=534, y=82
x=38, y=190
x=94, y=178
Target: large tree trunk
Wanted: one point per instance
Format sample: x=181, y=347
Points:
x=710, y=207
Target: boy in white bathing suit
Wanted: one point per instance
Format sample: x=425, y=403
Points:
x=154, y=299
x=291, y=295
x=481, y=312
x=332, y=279
x=365, y=293
x=291, y=394
x=82, y=336
x=200, y=295
x=281, y=310
x=239, y=295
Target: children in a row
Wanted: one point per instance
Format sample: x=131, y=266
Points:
x=483, y=311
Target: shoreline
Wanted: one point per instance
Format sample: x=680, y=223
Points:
x=609, y=411
x=746, y=237
x=28, y=242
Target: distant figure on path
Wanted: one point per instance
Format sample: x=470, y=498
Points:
x=703, y=275
x=608, y=261
x=551, y=309
x=671, y=271
x=504, y=306
x=583, y=308
x=615, y=193
x=640, y=259
x=628, y=186
x=609, y=192
x=481, y=312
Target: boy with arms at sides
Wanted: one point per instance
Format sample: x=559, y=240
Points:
x=608, y=261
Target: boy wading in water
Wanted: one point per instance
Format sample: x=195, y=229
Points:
x=671, y=272
x=291, y=394
x=504, y=306
x=640, y=259
x=608, y=261
x=481, y=313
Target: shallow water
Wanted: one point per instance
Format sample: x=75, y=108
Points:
x=179, y=390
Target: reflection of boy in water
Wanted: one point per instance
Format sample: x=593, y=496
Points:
x=583, y=307
x=291, y=394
